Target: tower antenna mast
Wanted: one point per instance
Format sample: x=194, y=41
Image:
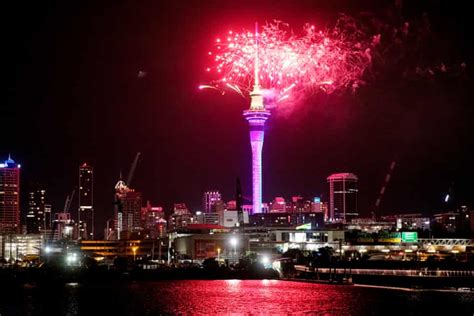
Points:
x=256, y=79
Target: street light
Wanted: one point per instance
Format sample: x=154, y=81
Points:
x=265, y=261
x=134, y=249
x=234, y=242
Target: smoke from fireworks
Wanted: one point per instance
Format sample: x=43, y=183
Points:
x=290, y=65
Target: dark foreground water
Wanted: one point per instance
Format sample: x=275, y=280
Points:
x=236, y=297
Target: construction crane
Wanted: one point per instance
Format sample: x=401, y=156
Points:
x=67, y=205
x=68, y=202
x=132, y=169
x=449, y=195
x=383, y=188
x=121, y=188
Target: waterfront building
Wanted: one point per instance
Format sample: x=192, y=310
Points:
x=454, y=223
x=316, y=220
x=409, y=221
x=230, y=218
x=217, y=242
x=132, y=248
x=370, y=225
x=21, y=247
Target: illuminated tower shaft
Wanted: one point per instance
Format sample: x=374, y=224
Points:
x=256, y=116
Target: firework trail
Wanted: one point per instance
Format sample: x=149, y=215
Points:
x=290, y=64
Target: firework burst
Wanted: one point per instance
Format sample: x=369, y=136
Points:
x=289, y=64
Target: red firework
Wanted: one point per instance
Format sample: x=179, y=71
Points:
x=288, y=63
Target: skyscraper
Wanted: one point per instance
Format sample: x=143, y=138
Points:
x=127, y=211
x=86, y=202
x=257, y=115
x=36, y=221
x=9, y=197
x=131, y=211
x=342, y=197
x=278, y=205
x=209, y=199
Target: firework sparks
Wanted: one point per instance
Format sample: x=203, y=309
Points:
x=290, y=64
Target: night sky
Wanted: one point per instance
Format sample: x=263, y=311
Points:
x=73, y=95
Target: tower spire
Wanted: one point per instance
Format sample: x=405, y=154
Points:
x=256, y=103
x=256, y=79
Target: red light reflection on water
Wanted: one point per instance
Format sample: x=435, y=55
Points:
x=231, y=297
x=255, y=297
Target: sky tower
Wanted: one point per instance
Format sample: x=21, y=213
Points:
x=256, y=115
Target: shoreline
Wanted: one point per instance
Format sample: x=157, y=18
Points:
x=387, y=287
x=47, y=277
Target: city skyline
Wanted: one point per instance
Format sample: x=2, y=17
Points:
x=213, y=157
x=178, y=128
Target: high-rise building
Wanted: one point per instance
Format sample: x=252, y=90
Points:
x=342, y=197
x=180, y=209
x=9, y=196
x=316, y=205
x=154, y=221
x=278, y=205
x=86, y=202
x=48, y=219
x=209, y=200
x=128, y=210
x=256, y=115
x=181, y=217
x=36, y=221
x=131, y=211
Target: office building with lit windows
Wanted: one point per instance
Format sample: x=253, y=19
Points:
x=38, y=218
x=342, y=197
x=9, y=197
x=86, y=202
x=209, y=200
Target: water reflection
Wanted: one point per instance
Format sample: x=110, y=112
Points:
x=233, y=285
x=229, y=297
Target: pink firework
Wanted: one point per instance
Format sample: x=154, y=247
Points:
x=290, y=64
